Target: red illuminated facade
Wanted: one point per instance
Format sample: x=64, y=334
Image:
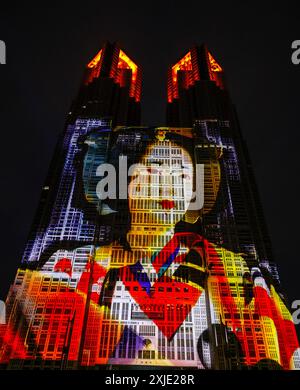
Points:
x=196, y=89
x=111, y=88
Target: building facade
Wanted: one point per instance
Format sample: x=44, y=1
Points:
x=149, y=248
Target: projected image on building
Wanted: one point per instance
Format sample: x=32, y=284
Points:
x=149, y=248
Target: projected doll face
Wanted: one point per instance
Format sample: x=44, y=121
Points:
x=162, y=185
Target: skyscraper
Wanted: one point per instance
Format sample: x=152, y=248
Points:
x=198, y=96
x=196, y=89
x=149, y=247
x=111, y=87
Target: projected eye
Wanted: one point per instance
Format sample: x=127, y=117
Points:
x=185, y=176
x=153, y=171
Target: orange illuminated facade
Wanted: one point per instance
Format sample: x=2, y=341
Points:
x=194, y=84
x=215, y=71
x=93, y=63
x=127, y=67
x=123, y=71
x=190, y=69
x=184, y=66
x=183, y=74
x=111, y=88
x=214, y=66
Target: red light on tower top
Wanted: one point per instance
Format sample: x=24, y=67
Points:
x=197, y=64
x=114, y=63
x=214, y=66
x=95, y=60
x=125, y=63
x=184, y=64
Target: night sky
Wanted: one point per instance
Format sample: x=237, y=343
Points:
x=47, y=49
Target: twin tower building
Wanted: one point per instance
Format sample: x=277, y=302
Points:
x=149, y=247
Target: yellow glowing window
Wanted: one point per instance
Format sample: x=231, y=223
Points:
x=95, y=60
x=184, y=64
x=214, y=66
x=126, y=63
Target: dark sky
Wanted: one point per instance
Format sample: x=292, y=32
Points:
x=47, y=49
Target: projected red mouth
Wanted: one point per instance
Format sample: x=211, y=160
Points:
x=167, y=204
